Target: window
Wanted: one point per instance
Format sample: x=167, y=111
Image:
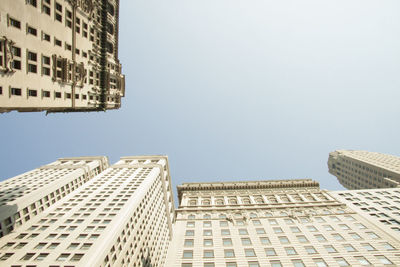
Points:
x=6, y=256
x=190, y=224
x=330, y=249
x=58, y=12
x=265, y=241
x=355, y=236
x=273, y=222
x=338, y=237
x=388, y=246
x=186, y=265
x=32, y=92
x=295, y=229
x=76, y=257
x=16, y=91
x=362, y=260
x=320, y=238
x=14, y=23
x=373, y=235
x=41, y=256
x=229, y=253
x=341, y=261
x=227, y=241
x=368, y=247
x=290, y=251
x=206, y=224
x=349, y=248
x=188, y=254
x=249, y=252
x=298, y=263
x=46, y=7
x=223, y=223
x=45, y=65
x=277, y=230
x=246, y=241
x=207, y=232
x=27, y=256
x=256, y=222
x=225, y=232
x=207, y=242
x=31, y=30
x=270, y=252
x=16, y=64
x=31, y=62
x=253, y=264
x=231, y=264
x=283, y=240
x=276, y=263
x=189, y=233
x=384, y=260
x=310, y=250
x=189, y=243
x=31, y=2
x=302, y=239
x=312, y=228
x=320, y=263
x=243, y=232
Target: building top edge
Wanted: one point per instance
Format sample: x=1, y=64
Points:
x=248, y=184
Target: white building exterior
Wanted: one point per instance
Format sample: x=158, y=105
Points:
x=273, y=223
x=25, y=196
x=364, y=170
x=121, y=217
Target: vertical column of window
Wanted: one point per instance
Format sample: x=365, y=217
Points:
x=58, y=9
x=31, y=61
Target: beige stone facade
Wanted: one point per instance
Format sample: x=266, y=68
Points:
x=121, y=217
x=273, y=223
x=25, y=196
x=364, y=170
x=59, y=55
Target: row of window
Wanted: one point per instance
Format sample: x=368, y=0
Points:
x=319, y=262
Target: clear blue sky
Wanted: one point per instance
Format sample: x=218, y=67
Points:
x=236, y=90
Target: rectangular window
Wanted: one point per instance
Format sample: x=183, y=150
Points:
x=16, y=64
x=189, y=243
x=45, y=37
x=270, y=252
x=31, y=2
x=188, y=254
x=16, y=91
x=229, y=253
x=249, y=252
x=31, y=30
x=14, y=23
x=208, y=253
x=32, y=92
x=58, y=12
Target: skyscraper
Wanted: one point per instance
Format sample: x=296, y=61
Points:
x=60, y=55
x=25, y=196
x=121, y=217
x=273, y=223
x=362, y=169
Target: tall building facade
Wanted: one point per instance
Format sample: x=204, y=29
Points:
x=59, y=55
x=121, y=217
x=364, y=170
x=381, y=206
x=273, y=223
x=25, y=196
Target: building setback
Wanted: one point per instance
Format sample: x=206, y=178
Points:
x=273, y=223
x=25, y=196
x=364, y=170
x=59, y=56
x=121, y=217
